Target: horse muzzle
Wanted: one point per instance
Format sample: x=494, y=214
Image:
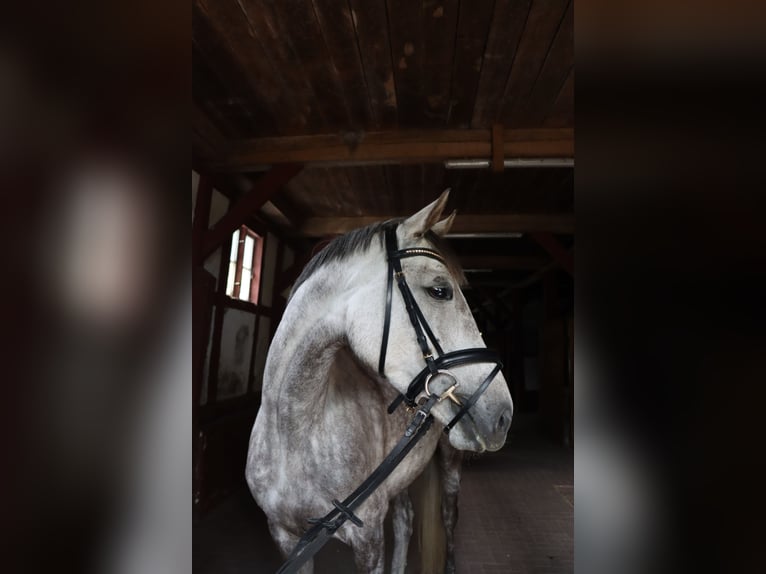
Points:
x=489, y=426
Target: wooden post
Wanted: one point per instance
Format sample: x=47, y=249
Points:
x=215, y=349
x=201, y=218
x=497, y=148
x=517, y=346
x=552, y=355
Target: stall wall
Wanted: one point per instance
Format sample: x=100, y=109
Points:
x=234, y=359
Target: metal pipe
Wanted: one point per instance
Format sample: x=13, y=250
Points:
x=510, y=163
x=485, y=235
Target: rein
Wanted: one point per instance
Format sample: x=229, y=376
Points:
x=324, y=528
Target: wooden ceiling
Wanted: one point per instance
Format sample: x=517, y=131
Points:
x=372, y=97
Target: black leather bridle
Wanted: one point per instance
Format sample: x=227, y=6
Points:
x=434, y=365
x=316, y=536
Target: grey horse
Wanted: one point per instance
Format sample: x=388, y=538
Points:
x=323, y=426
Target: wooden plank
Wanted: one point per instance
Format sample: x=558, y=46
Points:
x=406, y=189
x=295, y=103
x=370, y=21
x=438, y=28
x=433, y=184
x=558, y=63
x=404, y=29
x=544, y=20
x=207, y=139
x=348, y=201
x=219, y=96
x=337, y=26
x=379, y=190
x=285, y=206
x=235, y=50
x=473, y=27
x=562, y=111
x=523, y=223
x=201, y=218
x=263, y=189
x=299, y=26
x=360, y=188
x=559, y=253
x=219, y=82
x=404, y=146
x=318, y=194
x=501, y=262
x=507, y=25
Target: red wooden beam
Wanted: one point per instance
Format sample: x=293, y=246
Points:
x=263, y=189
x=559, y=253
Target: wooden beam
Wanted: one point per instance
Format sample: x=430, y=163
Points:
x=497, y=148
x=205, y=136
x=517, y=222
x=403, y=146
x=559, y=253
x=497, y=262
x=263, y=189
x=201, y=218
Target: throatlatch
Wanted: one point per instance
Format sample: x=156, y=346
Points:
x=324, y=528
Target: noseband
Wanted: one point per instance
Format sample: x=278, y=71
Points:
x=423, y=333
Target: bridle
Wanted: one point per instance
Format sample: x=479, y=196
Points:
x=316, y=536
x=440, y=364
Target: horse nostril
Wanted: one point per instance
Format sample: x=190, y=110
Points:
x=504, y=422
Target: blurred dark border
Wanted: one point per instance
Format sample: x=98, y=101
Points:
x=85, y=84
x=670, y=278
x=671, y=273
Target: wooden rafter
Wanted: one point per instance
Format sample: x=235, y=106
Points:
x=403, y=146
x=263, y=189
x=201, y=218
x=498, y=262
x=553, y=223
x=559, y=253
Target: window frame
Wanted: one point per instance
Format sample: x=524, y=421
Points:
x=256, y=266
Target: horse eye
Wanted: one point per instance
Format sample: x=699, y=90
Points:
x=443, y=293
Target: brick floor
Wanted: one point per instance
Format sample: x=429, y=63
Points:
x=516, y=517
x=517, y=510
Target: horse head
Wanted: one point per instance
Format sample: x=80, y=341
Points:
x=435, y=284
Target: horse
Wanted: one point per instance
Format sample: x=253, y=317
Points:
x=330, y=374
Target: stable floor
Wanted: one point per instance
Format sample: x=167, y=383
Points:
x=516, y=516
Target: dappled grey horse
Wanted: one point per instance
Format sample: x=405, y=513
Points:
x=323, y=425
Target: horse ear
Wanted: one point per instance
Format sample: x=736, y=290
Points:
x=442, y=228
x=416, y=225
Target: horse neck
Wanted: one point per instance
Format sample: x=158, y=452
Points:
x=309, y=335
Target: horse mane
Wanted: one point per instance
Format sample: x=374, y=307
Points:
x=359, y=240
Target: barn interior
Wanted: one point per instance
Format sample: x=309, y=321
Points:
x=311, y=119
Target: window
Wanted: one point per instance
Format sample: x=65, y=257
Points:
x=244, y=276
